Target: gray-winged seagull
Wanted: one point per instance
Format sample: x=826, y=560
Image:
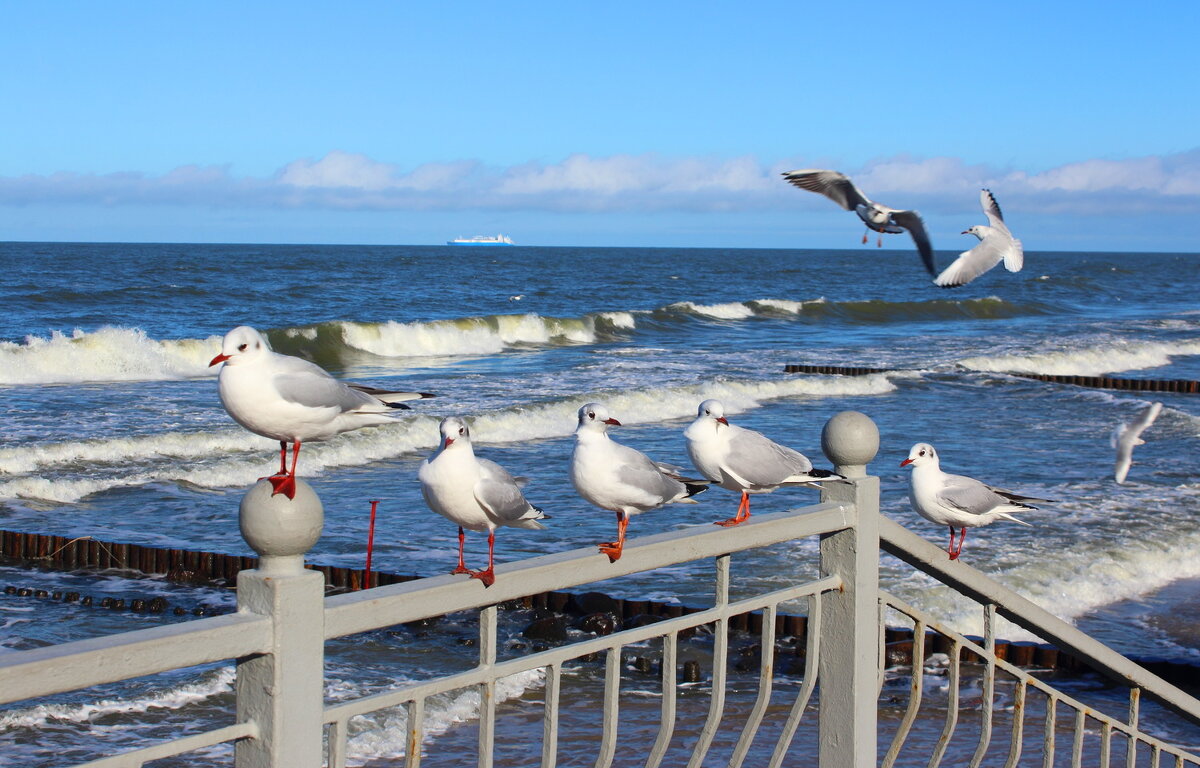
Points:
x=475, y=493
x=1128, y=436
x=838, y=188
x=743, y=460
x=619, y=478
x=996, y=244
x=292, y=400
x=955, y=500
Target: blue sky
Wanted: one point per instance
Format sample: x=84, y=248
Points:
x=601, y=124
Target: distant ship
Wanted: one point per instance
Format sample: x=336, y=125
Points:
x=482, y=240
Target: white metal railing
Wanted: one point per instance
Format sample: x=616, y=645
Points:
x=279, y=634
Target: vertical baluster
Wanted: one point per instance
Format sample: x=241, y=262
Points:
x=811, y=665
x=1077, y=741
x=550, y=718
x=487, y=689
x=1018, y=726
x=1105, y=744
x=951, y=704
x=337, y=743
x=766, y=676
x=1155, y=756
x=716, y=705
x=416, y=728
x=989, y=684
x=1049, y=733
x=612, y=688
x=915, y=689
x=666, y=726
x=1135, y=700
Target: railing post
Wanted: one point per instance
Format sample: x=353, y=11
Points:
x=848, y=673
x=283, y=692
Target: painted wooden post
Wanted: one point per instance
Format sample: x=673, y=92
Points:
x=282, y=692
x=849, y=664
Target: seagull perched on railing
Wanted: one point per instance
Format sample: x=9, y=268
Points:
x=996, y=244
x=621, y=479
x=838, y=188
x=743, y=460
x=475, y=493
x=1127, y=436
x=957, y=501
x=292, y=400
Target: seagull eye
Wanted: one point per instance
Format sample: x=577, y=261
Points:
x=462, y=430
x=591, y=415
x=241, y=348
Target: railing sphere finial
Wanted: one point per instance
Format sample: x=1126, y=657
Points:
x=280, y=529
x=850, y=440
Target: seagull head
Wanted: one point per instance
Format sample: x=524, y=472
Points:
x=973, y=231
x=454, y=430
x=922, y=454
x=712, y=409
x=594, y=417
x=240, y=345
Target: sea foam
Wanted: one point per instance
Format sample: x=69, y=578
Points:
x=1117, y=355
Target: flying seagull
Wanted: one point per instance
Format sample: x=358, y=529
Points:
x=957, y=501
x=1127, y=436
x=292, y=400
x=996, y=244
x=838, y=188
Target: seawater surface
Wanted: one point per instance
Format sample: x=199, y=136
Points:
x=112, y=427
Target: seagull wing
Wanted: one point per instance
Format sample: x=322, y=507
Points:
x=1127, y=436
x=973, y=263
x=760, y=461
x=1145, y=419
x=992, y=210
x=911, y=220
x=1014, y=253
x=303, y=383
x=834, y=185
x=499, y=494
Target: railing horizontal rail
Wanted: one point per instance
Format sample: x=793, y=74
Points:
x=411, y=601
x=931, y=559
x=344, y=710
x=84, y=663
x=247, y=730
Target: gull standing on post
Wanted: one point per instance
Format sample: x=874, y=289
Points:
x=957, y=501
x=743, y=460
x=475, y=493
x=996, y=244
x=1127, y=436
x=619, y=478
x=292, y=400
x=838, y=188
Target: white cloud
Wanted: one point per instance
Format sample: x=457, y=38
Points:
x=581, y=182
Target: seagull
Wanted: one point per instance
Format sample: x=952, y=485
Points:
x=838, y=188
x=475, y=493
x=292, y=400
x=996, y=244
x=1127, y=436
x=620, y=479
x=743, y=460
x=957, y=501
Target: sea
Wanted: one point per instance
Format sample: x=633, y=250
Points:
x=111, y=427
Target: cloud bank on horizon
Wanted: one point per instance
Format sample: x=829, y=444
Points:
x=583, y=183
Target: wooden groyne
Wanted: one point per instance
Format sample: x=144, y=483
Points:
x=551, y=612
x=1176, y=386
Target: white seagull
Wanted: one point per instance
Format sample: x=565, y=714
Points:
x=292, y=400
x=957, y=501
x=996, y=244
x=1127, y=436
x=743, y=460
x=476, y=494
x=620, y=479
x=838, y=188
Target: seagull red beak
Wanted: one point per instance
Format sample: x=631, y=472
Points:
x=723, y=420
x=965, y=232
x=613, y=422
x=448, y=441
x=906, y=462
x=218, y=359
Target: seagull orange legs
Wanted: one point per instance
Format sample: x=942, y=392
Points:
x=743, y=513
x=487, y=576
x=954, y=553
x=613, y=548
x=462, y=542
x=285, y=481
